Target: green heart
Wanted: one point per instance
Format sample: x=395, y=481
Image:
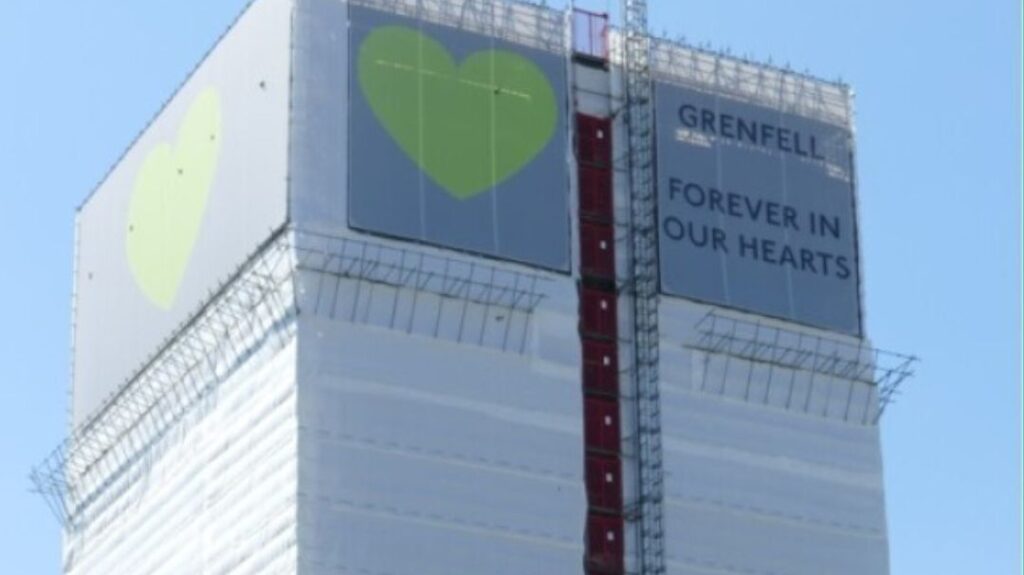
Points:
x=169, y=200
x=468, y=128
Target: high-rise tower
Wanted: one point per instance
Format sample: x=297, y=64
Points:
x=475, y=286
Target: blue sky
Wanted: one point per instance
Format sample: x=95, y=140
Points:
x=938, y=99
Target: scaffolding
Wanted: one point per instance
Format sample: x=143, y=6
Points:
x=644, y=282
x=782, y=361
x=752, y=82
x=525, y=23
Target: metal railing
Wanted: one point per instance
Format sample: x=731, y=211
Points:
x=785, y=359
x=251, y=309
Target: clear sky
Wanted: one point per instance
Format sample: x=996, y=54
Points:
x=938, y=126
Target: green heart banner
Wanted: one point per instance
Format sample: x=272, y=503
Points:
x=469, y=126
x=169, y=201
x=456, y=139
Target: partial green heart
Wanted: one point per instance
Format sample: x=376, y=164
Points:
x=169, y=200
x=469, y=127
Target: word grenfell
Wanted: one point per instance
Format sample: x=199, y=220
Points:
x=751, y=131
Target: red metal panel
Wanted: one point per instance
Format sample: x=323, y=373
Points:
x=598, y=326
x=598, y=316
x=601, y=425
x=597, y=250
x=596, y=193
x=604, y=544
x=594, y=140
x=604, y=482
x=600, y=367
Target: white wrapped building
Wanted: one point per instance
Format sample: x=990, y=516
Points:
x=435, y=287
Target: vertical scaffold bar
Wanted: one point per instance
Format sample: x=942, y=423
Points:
x=640, y=125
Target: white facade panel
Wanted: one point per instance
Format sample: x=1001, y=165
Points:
x=420, y=454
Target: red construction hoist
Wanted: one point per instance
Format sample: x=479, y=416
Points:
x=599, y=335
x=598, y=325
